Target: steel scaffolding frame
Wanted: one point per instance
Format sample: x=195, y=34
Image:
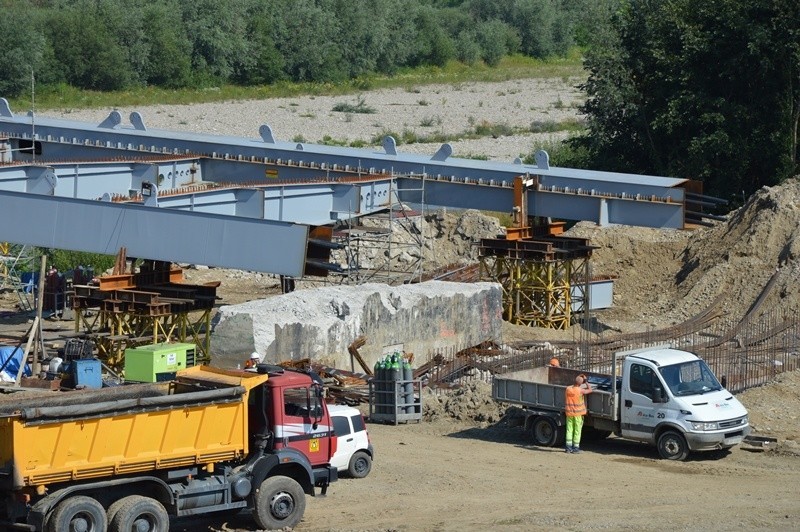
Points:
x=542, y=285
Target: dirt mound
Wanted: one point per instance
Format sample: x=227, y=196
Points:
x=774, y=410
x=737, y=258
x=667, y=276
x=644, y=262
x=469, y=403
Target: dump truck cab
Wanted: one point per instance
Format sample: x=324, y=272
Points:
x=132, y=456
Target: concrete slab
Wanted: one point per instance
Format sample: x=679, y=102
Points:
x=321, y=323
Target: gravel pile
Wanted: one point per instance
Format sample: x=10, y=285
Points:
x=420, y=110
x=470, y=403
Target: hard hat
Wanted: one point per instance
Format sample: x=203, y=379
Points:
x=255, y=355
x=554, y=362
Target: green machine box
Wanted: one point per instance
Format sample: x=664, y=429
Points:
x=158, y=362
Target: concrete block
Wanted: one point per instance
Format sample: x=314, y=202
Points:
x=321, y=323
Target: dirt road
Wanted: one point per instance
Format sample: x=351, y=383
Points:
x=444, y=476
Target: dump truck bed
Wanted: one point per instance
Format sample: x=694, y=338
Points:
x=199, y=418
x=543, y=388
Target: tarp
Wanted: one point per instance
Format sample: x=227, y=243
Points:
x=10, y=359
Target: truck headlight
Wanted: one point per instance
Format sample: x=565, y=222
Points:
x=699, y=425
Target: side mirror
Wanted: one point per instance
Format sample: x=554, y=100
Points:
x=658, y=395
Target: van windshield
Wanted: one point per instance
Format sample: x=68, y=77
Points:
x=690, y=378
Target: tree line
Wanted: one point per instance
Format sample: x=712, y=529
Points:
x=118, y=44
x=700, y=90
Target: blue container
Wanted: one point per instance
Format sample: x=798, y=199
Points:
x=87, y=372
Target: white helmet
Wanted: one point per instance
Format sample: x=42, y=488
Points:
x=255, y=356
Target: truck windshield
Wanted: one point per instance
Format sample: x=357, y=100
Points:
x=690, y=378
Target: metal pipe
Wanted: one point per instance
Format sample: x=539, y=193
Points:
x=719, y=218
x=719, y=201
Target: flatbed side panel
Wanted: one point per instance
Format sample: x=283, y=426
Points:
x=126, y=443
x=530, y=388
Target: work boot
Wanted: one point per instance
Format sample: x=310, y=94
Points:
x=576, y=450
x=568, y=449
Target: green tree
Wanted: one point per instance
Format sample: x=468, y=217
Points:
x=23, y=48
x=493, y=37
x=704, y=91
x=433, y=45
x=306, y=36
x=169, y=51
x=87, y=49
x=217, y=30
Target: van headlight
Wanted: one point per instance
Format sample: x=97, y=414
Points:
x=699, y=425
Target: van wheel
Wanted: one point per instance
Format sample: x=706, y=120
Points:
x=672, y=446
x=279, y=503
x=141, y=514
x=78, y=514
x=545, y=431
x=360, y=465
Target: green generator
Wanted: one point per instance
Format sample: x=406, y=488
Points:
x=157, y=362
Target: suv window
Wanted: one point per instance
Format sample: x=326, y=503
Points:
x=340, y=425
x=358, y=423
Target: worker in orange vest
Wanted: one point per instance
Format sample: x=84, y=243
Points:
x=575, y=410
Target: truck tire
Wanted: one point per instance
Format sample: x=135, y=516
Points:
x=114, y=508
x=79, y=513
x=360, y=465
x=545, y=431
x=672, y=446
x=139, y=513
x=279, y=503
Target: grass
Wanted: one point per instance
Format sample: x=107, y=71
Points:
x=478, y=130
x=360, y=107
x=511, y=67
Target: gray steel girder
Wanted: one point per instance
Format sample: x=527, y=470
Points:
x=605, y=197
x=154, y=233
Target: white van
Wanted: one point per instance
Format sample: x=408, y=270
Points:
x=354, y=451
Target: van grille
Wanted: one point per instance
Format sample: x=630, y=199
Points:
x=731, y=423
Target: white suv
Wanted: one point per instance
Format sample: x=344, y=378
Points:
x=354, y=451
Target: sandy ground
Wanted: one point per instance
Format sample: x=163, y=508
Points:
x=444, y=476
x=423, y=110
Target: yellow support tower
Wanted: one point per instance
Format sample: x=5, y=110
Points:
x=538, y=277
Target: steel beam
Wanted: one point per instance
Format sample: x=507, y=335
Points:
x=234, y=159
x=154, y=233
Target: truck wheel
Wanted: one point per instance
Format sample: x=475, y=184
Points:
x=672, y=446
x=141, y=514
x=360, y=465
x=78, y=514
x=279, y=503
x=545, y=431
x=114, y=508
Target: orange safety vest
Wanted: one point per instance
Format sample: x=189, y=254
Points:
x=575, y=405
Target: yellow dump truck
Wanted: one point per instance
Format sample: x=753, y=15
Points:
x=129, y=457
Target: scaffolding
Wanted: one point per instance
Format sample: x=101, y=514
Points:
x=14, y=259
x=544, y=280
x=387, y=247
